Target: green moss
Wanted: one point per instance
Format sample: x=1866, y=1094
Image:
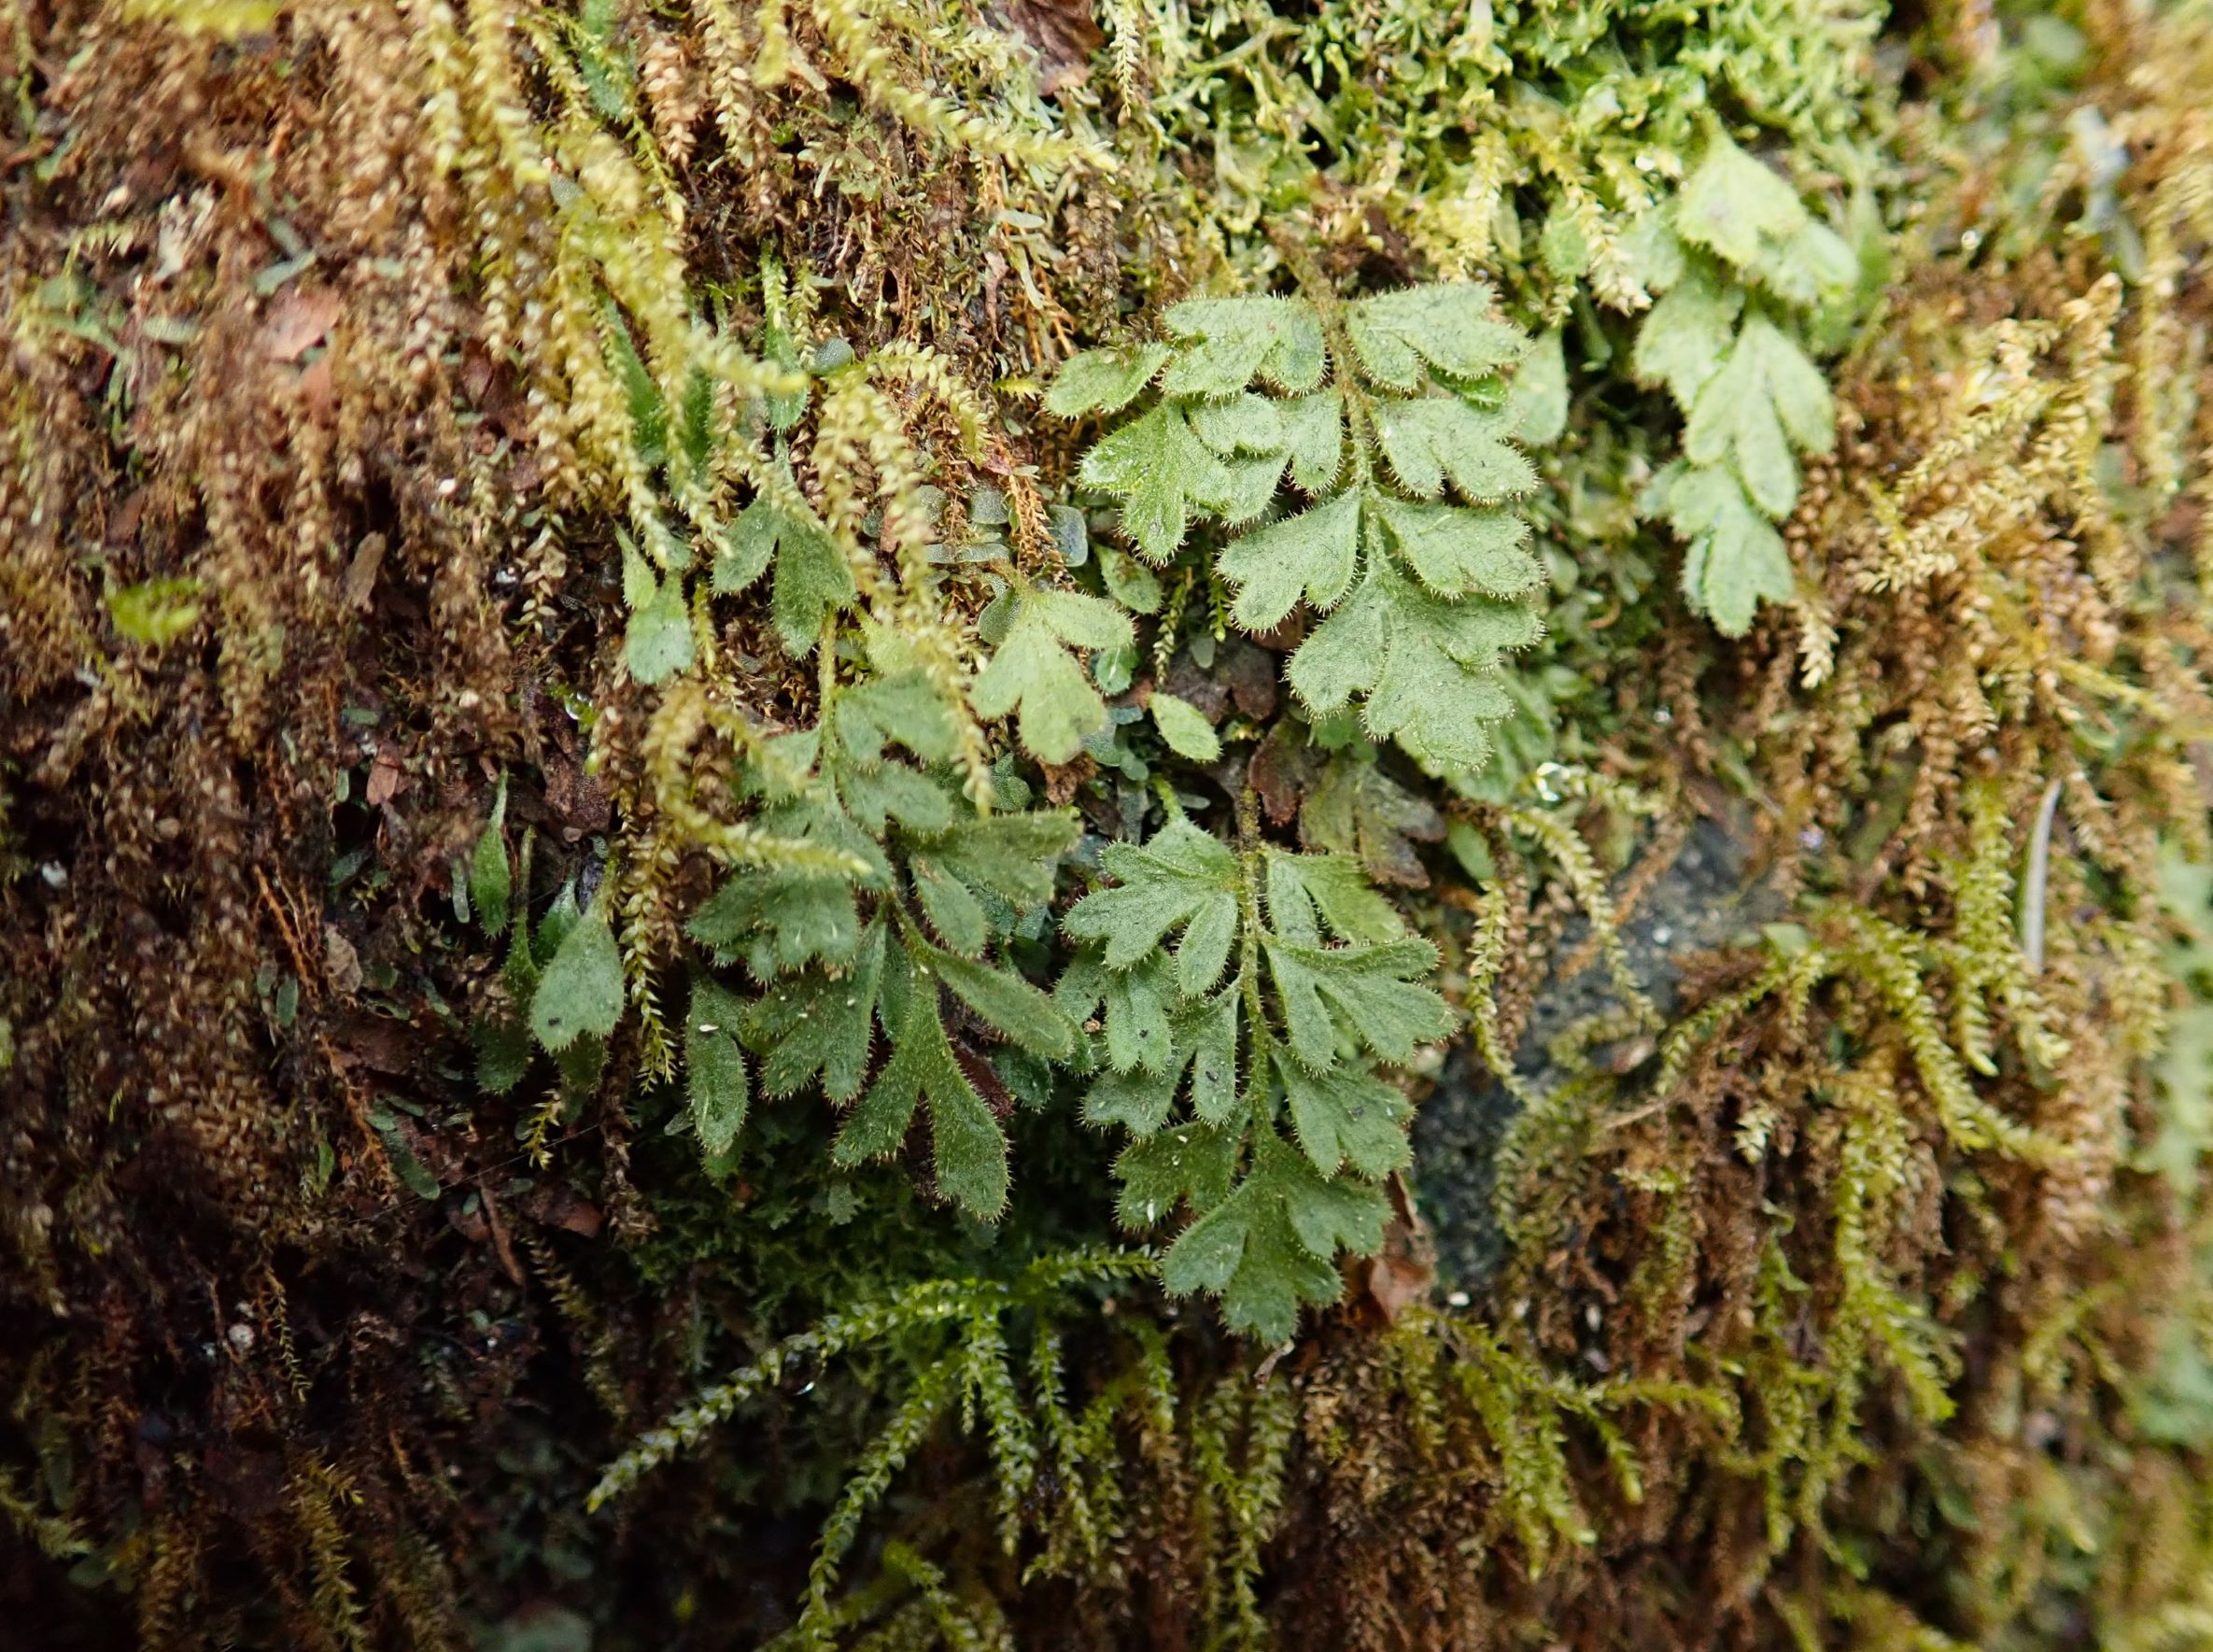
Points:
x=1081, y=594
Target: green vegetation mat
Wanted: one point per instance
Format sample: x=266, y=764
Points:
x=1157, y=823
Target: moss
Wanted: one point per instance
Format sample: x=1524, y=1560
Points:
x=630, y=426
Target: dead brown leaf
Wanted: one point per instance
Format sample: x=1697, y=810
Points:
x=1283, y=770
x=563, y=1207
x=1354, y=808
x=318, y=396
x=1395, y=1283
x=122, y=522
x=500, y=1243
x=383, y=779
x=377, y=1043
x=341, y=964
x=297, y=321
x=1401, y=1275
x=578, y=800
x=360, y=572
x=1064, y=35
x=1254, y=680
x=1062, y=783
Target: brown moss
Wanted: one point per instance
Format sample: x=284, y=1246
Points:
x=1829, y=1324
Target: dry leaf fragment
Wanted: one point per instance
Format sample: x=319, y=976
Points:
x=360, y=572
x=383, y=779
x=297, y=321
x=1400, y=1274
x=1064, y=35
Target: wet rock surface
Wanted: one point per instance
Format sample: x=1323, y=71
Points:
x=1708, y=897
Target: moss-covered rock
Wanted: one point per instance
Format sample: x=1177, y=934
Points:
x=1351, y=825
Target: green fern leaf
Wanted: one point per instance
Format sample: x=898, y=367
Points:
x=1235, y=339
x=1246, y=423
x=1735, y=559
x=1033, y=676
x=747, y=549
x=1103, y=381
x=1026, y=1016
x=553, y=929
x=502, y=1036
x=1183, y=879
x=657, y=637
x=1429, y=438
x=714, y=1069
x=1211, y=445
x=1765, y=399
x=1457, y=552
x=813, y=580
x=490, y=885
x=1210, y=1031
x=1310, y=556
x=581, y=993
x=1322, y=1012
x=1013, y=856
x=1270, y=1247
x=780, y=920
x=1347, y=1116
x=1537, y=405
x=1160, y=470
x=1429, y=669
x=1313, y=438
x=818, y=1024
x=1128, y=580
x=1373, y=990
x=1744, y=213
x=851, y=831
x=1449, y=326
x=648, y=407
x=901, y=707
x=1247, y=487
x=1137, y=1008
x=1686, y=337
x=1185, y=730
x=1202, y=1042
x=876, y=798
x=1193, y=1163
x=1734, y=206
x=1331, y=888
x=968, y=1148
x=1139, y=1100
x=1753, y=401
x=954, y=913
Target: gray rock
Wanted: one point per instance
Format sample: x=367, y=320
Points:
x=1704, y=899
